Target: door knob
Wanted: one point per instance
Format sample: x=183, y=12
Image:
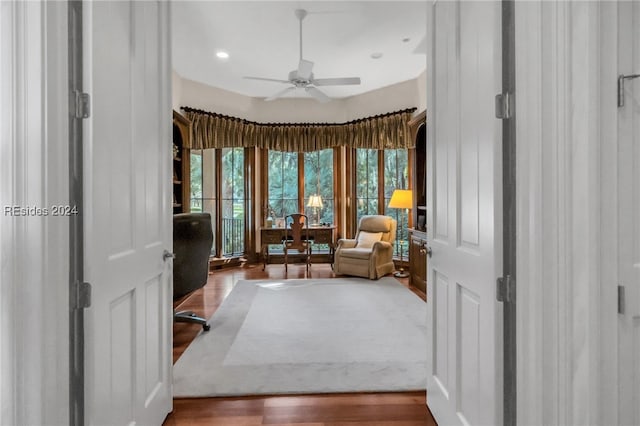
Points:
x=167, y=255
x=429, y=252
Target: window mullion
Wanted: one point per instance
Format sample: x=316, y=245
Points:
x=380, y=181
x=218, y=203
x=301, y=182
x=249, y=196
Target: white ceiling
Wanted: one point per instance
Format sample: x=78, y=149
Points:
x=262, y=39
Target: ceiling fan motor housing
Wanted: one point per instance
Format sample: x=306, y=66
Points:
x=299, y=82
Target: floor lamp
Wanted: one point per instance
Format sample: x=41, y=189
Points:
x=401, y=199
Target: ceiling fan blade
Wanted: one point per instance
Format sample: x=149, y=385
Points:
x=266, y=79
x=316, y=93
x=280, y=93
x=304, y=69
x=336, y=81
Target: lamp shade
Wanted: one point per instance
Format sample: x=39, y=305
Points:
x=315, y=201
x=401, y=199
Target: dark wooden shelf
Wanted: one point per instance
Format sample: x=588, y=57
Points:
x=181, y=166
x=418, y=235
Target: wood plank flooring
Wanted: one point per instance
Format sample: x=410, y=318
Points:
x=371, y=409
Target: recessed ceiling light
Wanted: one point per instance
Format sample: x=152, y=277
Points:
x=376, y=55
x=222, y=54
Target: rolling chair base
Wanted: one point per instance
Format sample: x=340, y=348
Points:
x=188, y=316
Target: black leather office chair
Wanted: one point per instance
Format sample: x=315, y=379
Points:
x=192, y=239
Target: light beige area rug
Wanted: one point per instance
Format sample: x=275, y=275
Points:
x=308, y=336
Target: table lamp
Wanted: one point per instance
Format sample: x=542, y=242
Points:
x=401, y=199
x=315, y=201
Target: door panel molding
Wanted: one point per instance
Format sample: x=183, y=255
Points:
x=128, y=221
x=464, y=384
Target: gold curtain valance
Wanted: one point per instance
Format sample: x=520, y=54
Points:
x=386, y=131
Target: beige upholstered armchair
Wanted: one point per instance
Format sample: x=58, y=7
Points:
x=370, y=253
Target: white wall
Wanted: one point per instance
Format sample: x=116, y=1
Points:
x=421, y=82
x=34, y=256
x=295, y=110
x=176, y=90
x=386, y=99
x=202, y=96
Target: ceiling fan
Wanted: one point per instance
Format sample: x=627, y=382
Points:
x=303, y=77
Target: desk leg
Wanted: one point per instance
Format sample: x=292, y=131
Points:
x=332, y=251
x=265, y=254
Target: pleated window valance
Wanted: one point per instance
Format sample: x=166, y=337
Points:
x=386, y=131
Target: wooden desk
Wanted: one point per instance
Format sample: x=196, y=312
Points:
x=319, y=235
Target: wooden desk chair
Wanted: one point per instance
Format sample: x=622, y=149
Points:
x=296, y=237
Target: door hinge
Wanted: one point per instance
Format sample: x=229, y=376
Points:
x=83, y=295
x=506, y=289
x=81, y=104
x=621, y=79
x=503, y=106
x=621, y=299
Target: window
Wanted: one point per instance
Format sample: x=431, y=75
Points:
x=293, y=178
x=218, y=186
x=377, y=173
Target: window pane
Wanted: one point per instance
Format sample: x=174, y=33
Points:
x=283, y=182
x=366, y=182
x=233, y=202
x=396, y=171
x=203, y=185
x=396, y=176
x=318, y=180
x=196, y=180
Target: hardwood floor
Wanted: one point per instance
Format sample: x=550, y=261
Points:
x=371, y=409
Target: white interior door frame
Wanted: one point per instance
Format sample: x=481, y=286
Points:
x=620, y=224
x=34, y=266
x=566, y=94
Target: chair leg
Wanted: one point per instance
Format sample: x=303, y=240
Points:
x=286, y=260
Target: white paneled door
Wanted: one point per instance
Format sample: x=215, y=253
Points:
x=629, y=216
x=128, y=212
x=465, y=226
